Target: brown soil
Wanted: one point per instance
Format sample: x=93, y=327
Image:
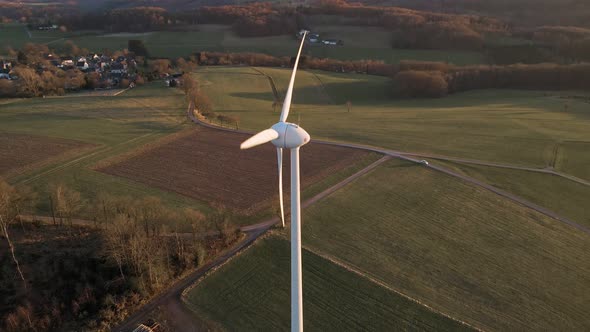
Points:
x=19, y=153
x=207, y=164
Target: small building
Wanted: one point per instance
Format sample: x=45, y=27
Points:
x=313, y=38
x=82, y=64
x=5, y=66
x=332, y=42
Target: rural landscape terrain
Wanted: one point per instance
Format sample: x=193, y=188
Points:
x=446, y=185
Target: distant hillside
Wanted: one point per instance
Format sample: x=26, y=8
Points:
x=520, y=12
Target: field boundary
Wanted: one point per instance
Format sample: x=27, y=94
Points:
x=408, y=157
x=271, y=81
x=549, y=170
x=386, y=286
x=99, y=150
x=322, y=87
x=147, y=147
x=253, y=233
x=72, y=153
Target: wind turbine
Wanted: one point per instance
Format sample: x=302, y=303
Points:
x=285, y=135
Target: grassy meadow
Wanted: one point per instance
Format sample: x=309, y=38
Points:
x=573, y=158
x=251, y=292
x=458, y=248
x=505, y=126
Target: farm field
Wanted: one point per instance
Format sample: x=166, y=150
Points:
x=21, y=152
x=220, y=38
x=503, y=126
x=574, y=158
x=457, y=248
x=17, y=35
x=113, y=125
x=565, y=197
x=252, y=292
x=208, y=165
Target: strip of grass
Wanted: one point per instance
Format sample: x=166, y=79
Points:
x=252, y=293
x=458, y=248
x=560, y=195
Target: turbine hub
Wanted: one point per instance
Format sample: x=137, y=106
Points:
x=290, y=135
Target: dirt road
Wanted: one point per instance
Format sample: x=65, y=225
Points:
x=409, y=156
x=171, y=301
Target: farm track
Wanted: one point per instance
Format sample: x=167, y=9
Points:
x=101, y=149
x=549, y=170
x=408, y=156
x=172, y=298
x=174, y=294
x=81, y=159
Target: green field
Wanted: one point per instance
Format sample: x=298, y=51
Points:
x=458, y=248
x=17, y=35
x=220, y=38
x=506, y=126
x=115, y=124
x=574, y=158
x=252, y=293
x=563, y=196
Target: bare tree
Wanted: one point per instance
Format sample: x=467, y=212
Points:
x=105, y=208
x=196, y=219
x=115, y=241
x=67, y=202
x=151, y=212
x=9, y=201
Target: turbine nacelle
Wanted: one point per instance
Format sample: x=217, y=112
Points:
x=290, y=135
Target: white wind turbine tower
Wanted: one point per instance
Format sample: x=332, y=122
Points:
x=285, y=135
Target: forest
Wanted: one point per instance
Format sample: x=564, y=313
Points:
x=67, y=274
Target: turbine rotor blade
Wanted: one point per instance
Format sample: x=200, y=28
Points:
x=262, y=137
x=280, y=163
x=289, y=95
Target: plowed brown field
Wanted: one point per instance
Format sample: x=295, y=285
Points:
x=208, y=165
x=20, y=152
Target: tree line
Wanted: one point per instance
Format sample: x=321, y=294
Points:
x=429, y=79
x=200, y=103
x=438, y=80
x=75, y=276
x=413, y=28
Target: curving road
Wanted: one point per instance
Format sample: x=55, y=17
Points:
x=171, y=299
x=408, y=156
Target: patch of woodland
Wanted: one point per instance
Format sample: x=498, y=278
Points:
x=70, y=275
